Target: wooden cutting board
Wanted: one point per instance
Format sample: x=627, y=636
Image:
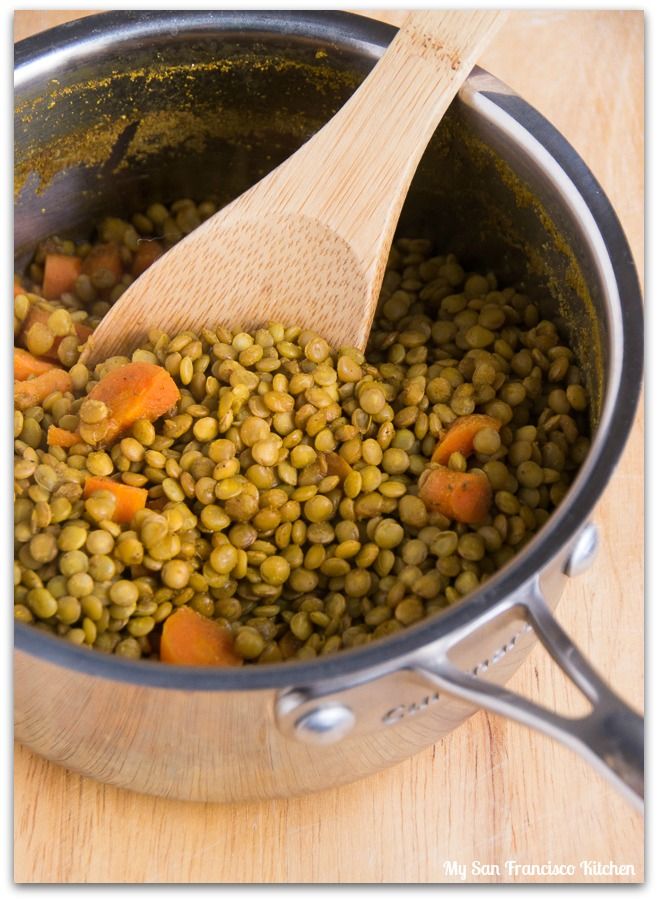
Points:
x=492, y=791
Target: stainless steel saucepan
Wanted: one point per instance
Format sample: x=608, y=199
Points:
x=119, y=109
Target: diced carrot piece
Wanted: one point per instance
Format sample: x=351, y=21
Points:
x=460, y=435
x=41, y=315
x=59, y=274
x=32, y=391
x=62, y=437
x=190, y=639
x=104, y=256
x=129, y=499
x=82, y=331
x=135, y=391
x=35, y=314
x=26, y=365
x=463, y=496
x=18, y=285
x=147, y=253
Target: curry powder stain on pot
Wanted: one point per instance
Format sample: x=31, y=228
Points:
x=161, y=129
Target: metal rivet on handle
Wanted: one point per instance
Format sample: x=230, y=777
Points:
x=584, y=551
x=325, y=724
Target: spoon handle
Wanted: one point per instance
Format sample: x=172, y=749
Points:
x=357, y=186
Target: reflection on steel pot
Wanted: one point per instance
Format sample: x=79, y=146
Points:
x=119, y=109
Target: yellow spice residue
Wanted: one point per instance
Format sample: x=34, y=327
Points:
x=92, y=146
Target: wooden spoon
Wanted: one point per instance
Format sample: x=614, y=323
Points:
x=308, y=244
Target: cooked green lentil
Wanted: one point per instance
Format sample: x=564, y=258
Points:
x=283, y=489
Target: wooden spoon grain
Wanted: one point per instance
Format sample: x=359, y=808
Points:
x=308, y=244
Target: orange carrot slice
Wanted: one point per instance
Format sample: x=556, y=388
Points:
x=190, y=639
x=462, y=496
x=135, y=391
x=33, y=391
x=147, y=253
x=104, y=256
x=18, y=285
x=62, y=437
x=40, y=314
x=26, y=365
x=59, y=274
x=460, y=435
x=129, y=499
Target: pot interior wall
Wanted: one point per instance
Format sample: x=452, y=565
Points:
x=208, y=115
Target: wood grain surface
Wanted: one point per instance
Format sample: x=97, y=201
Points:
x=492, y=791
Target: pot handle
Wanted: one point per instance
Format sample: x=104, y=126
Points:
x=610, y=737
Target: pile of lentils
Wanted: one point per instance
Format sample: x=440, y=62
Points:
x=283, y=488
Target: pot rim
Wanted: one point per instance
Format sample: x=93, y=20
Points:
x=33, y=58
